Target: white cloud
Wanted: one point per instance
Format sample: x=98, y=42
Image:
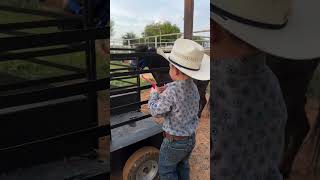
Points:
x=133, y=16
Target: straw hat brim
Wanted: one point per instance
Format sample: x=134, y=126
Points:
x=299, y=39
x=202, y=74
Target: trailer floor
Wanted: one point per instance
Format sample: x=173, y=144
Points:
x=79, y=168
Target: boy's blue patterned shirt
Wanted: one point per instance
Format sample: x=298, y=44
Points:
x=179, y=105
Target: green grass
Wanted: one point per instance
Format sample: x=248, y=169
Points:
x=121, y=83
x=33, y=71
x=9, y=17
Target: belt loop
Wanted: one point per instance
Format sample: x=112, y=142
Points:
x=167, y=136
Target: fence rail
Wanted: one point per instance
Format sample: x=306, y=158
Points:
x=161, y=40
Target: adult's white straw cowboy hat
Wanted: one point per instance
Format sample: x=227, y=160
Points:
x=284, y=28
x=189, y=57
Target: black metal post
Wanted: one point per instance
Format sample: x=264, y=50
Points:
x=188, y=19
x=91, y=60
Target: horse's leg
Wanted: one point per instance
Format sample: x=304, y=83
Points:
x=202, y=86
x=316, y=154
x=297, y=129
x=294, y=79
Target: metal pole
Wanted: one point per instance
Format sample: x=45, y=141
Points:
x=160, y=36
x=188, y=18
x=91, y=62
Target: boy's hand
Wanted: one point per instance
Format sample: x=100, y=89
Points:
x=162, y=88
x=155, y=89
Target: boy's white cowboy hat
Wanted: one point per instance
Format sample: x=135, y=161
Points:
x=284, y=28
x=189, y=57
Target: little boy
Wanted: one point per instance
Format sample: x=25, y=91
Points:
x=179, y=104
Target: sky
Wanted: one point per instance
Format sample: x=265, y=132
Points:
x=134, y=15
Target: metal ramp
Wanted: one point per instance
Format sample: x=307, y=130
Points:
x=131, y=133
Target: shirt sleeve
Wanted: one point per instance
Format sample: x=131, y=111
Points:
x=161, y=104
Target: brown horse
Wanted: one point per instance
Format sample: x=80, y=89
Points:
x=294, y=77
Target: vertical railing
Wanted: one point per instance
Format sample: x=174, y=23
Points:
x=91, y=60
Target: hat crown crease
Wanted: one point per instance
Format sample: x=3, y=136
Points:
x=188, y=55
x=267, y=11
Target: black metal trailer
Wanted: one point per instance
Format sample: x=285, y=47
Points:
x=49, y=127
x=135, y=136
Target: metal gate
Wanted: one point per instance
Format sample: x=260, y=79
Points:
x=47, y=120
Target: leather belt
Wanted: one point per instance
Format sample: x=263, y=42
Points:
x=173, y=137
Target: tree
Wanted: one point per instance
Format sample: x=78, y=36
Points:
x=111, y=27
x=161, y=28
x=200, y=40
x=128, y=35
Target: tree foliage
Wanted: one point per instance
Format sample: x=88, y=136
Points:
x=111, y=23
x=161, y=28
x=128, y=35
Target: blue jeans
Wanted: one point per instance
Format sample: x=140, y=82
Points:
x=174, y=158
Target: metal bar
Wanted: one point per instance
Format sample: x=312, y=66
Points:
x=129, y=105
x=91, y=60
x=122, y=65
x=116, y=92
x=130, y=121
x=41, y=81
x=122, y=49
x=121, y=69
x=121, y=78
x=91, y=48
x=39, y=40
x=55, y=65
x=40, y=24
x=138, y=80
x=172, y=34
x=21, y=98
x=122, y=87
x=16, y=33
x=33, y=11
x=98, y=131
x=161, y=69
x=125, y=56
x=39, y=53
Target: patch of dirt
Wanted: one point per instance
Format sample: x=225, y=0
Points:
x=200, y=157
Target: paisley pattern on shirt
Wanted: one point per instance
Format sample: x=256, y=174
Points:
x=249, y=116
x=179, y=105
